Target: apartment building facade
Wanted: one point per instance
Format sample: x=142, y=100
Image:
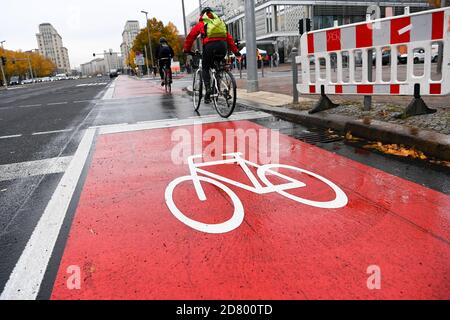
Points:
x=109, y=61
x=130, y=31
x=277, y=20
x=50, y=45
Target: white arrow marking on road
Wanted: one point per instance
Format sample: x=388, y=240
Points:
x=405, y=29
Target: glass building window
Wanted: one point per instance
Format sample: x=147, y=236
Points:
x=269, y=26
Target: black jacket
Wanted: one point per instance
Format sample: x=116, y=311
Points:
x=164, y=51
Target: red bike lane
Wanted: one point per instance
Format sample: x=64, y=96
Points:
x=128, y=244
x=129, y=87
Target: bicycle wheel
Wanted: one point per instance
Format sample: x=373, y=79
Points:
x=224, y=93
x=339, y=201
x=197, y=89
x=234, y=222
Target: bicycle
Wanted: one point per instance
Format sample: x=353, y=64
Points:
x=237, y=218
x=167, y=77
x=223, y=87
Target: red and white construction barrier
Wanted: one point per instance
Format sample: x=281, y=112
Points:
x=410, y=33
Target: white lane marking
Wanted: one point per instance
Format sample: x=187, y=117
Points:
x=11, y=136
x=26, y=278
x=83, y=101
x=33, y=168
x=92, y=84
x=31, y=105
x=110, y=91
x=15, y=88
x=154, y=121
x=56, y=103
x=119, y=128
x=405, y=29
x=109, y=125
x=50, y=132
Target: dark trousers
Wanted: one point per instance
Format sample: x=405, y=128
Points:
x=212, y=51
x=164, y=63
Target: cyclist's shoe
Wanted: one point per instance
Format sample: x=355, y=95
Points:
x=208, y=96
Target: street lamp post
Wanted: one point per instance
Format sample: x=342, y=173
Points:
x=5, y=82
x=440, y=48
x=200, y=8
x=149, y=41
x=250, y=37
x=184, y=18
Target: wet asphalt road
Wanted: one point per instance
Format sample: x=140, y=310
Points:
x=47, y=121
x=37, y=122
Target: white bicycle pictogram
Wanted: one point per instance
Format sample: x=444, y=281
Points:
x=235, y=221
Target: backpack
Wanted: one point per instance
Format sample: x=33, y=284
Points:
x=164, y=50
x=214, y=28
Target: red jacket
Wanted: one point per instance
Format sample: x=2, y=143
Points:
x=200, y=29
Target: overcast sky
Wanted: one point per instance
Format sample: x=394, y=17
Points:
x=86, y=26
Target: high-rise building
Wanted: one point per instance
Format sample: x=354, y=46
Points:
x=50, y=45
x=277, y=21
x=131, y=30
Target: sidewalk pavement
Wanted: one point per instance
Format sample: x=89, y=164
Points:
x=283, y=85
x=432, y=143
x=268, y=98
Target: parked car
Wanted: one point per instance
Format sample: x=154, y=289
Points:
x=113, y=73
x=434, y=53
x=14, y=81
x=385, y=58
x=99, y=75
x=419, y=55
x=62, y=76
x=28, y=81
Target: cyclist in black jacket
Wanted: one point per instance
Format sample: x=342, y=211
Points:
x=164, y=54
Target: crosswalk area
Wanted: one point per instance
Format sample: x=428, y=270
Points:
x=92, y=84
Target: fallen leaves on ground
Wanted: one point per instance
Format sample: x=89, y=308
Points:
x=441, y=162
x=398, y=150
x=350, y=137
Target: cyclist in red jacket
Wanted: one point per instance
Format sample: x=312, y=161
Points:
x=215, y=39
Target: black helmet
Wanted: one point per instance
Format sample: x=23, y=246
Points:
x=205, y=10
x=162, y=40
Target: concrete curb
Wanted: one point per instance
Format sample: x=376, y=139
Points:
x=431, y=143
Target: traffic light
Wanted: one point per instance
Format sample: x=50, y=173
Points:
x=93, y=54
x=4, y=61
x=302, y=23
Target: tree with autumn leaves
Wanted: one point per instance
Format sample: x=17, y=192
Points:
x=17, y=64
x=157, y=30
x=438, y=3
